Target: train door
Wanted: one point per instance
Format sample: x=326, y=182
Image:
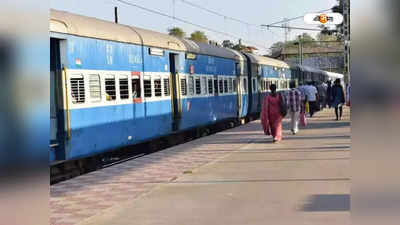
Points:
x=57, y=120
x=55, y=72
x=237, y=88
x=175, y=91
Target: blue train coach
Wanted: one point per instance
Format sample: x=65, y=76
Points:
x=114, y=85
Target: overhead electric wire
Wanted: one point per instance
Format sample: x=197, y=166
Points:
x=216, y=13
x=186, y=21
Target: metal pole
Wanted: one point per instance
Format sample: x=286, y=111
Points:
x=116, y=14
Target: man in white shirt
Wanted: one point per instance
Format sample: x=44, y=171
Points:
x=311, y=97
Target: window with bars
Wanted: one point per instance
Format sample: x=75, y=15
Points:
x=230, y=85
x=198, y=86
x=204, y=85
x=167, y=90
x=234, y=85
x=221, y=86
x=215, y=85
x=95, y=87
x=183, y=87
x=147, y=87
x=157, y=87
x=110, y=88
x=191, y=85
x=124, y=87
x=225, y=85
x=136, y=87
x=210, y=86
x=77, y=89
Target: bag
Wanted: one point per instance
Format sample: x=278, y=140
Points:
x=307, y=107
x=303, y=120
x=283, y=105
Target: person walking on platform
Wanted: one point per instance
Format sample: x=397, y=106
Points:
x=295, y=105
x=271, y=114
x=312, y=98
x=322, y=96
x=338, y=99
x=329, y=94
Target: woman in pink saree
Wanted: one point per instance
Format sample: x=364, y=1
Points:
x=271, y=117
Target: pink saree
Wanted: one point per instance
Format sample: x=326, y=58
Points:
x=271, y=117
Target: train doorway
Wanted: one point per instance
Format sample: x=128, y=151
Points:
x=175, y=90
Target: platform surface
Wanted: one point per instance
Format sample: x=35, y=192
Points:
x=234, y=177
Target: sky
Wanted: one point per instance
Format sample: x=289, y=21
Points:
x=254, y=12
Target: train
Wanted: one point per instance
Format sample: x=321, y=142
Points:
x=114, y=85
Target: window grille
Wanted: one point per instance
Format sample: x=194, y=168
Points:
x=215, y=85
x=77, y=89
x=147, y=87
x=230, y=90
x=124, y=87
x=157, y=87
x=210, y=86
x=221, y=86
x=204, y=85
x=225, y=86
x=183, y=87
x=110, y=88
x=198, y=86
x=191, y=85
x=95, y=87
x=167, y=90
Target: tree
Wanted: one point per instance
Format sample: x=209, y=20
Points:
x=227, y=44
x=199, y=36
x=177, y=32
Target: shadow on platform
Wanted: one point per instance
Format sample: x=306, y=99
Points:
x=324, y=203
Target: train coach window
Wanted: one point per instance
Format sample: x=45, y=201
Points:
x=110, y=88
x=183, y=87
x=136, y=87
x=157, y=87
x=124, y=87
x=95, y=87
x=167, y=91
x=230, y=89
x=77, y=89
x=147, y=87
x=191, y=85
x=234, y=85
x=225, y=85
x=215, y=85
x=204, y=85
x=221, y=86
x=198, y=86
x=210, y=86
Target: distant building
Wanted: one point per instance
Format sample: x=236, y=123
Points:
x=324, y=58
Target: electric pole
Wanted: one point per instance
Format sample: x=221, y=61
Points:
x=346, y=34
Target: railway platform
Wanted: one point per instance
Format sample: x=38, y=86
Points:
x=237, y=176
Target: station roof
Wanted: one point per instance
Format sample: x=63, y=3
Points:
x=69, y=23
x=206, y=49
x=335, y=75
x=262, y=60
x=309, y=69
